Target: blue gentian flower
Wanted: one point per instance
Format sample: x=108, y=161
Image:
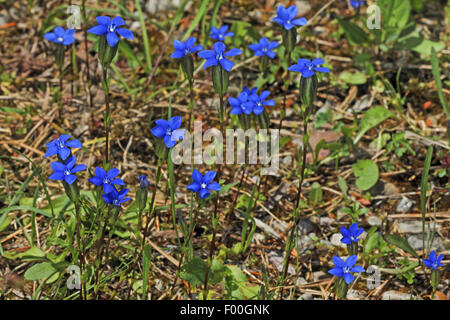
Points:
x=238, y=104
x=203, y=184
x=343, y=269
x=217, y=55
x=257, y=103
x=286, y=17
x=61, y=36
x=264, y=47
x=307, y=68
x=143, y=182
x=115, y=197
x=351, y=234
x=106, y=179
x=109, y=27
x=185, y=48
x=221, y=33
x=169, y=130
x=65, y=171
x=433, y=261
x=356, y=3
x=249, y=92
x=61, y=146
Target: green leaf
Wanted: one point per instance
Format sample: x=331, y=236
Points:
x=367, y=174
x=353, y=78
x=40, y=271
x=426, y=45
x=316, y=193
x=353, y=32
x=401, y=243
x=372, y=118
x=437, y=78
x=147, y=257
x=194, y=272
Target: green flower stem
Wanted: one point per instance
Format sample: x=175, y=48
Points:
x=191, y=104
x=341, y=288
x=145, y=230
x=296, y=214
x=81, y=248
x=107, y=117
x=86, y=52
x=99, y=253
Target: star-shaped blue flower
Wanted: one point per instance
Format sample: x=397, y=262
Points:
x=221, y=33
x=433, y=261
x=61, y=36
x=169, y=131
x=251, y=91
x=286, y=17
x=115, y=197
x=65, y=171
x=109, y=27
x=218, y=56
x=343, y=269
x=356, y=3
x=185, y=48
x=238, y=104
x=264, y=47
x=106, y=179
x=61, y=146
x=351, y=234
x=308, y=68
x=203, y=184
x=257, y=102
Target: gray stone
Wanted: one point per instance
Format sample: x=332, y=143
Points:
x=301, y=281
x=303, y=7
x=304, y=243
x=412, y=226
x=396, y=295
x=153, y=6
x=415, y=241
x=325, y=221
x=390, y=188
x=306, y=296
x=404, y=205
x=287, y=160
x=374, y=221
x=277, y=260
x=319, y=275
x=355, y=294
x=305, y=226
x=336, y=240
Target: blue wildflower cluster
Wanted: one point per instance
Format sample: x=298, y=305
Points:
x=65, y=168
x=249, y=102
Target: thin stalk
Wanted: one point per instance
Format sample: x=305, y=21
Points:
x=80, y=247
x=86, y=52
x=191, y=104
x=107, y=118
x=296, y=208
x=216, y=206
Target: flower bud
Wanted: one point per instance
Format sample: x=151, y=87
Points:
x=220, y=80
x=435, y=278
x=308, y=90
x=341, y=288
x=289, y=39
x=59, y=55
x=187, y=63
